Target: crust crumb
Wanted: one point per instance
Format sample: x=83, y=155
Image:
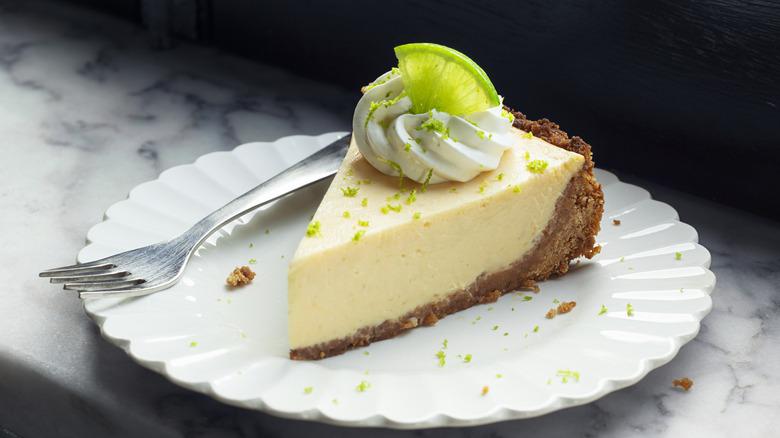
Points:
x=410, y=323
x=685, y=383
x=240, y=276
x=431, y=319
x=529, y=284
x=566, y=306
x=492, y=297
x=616, y=221
x=485, y=390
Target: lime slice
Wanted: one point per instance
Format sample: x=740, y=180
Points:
x=437, y=77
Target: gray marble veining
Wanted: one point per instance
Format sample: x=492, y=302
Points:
x=88, y=111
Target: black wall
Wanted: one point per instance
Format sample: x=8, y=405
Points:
x=685, y=93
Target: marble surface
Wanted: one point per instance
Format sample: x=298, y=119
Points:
x=88, y=111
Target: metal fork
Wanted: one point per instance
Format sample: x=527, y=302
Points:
x=150, y=269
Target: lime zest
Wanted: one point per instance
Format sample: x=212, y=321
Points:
x=397, y=167
x=427, y=180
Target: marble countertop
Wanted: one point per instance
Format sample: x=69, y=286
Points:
x=88, y=111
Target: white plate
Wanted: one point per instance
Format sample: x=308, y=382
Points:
x=232, y=343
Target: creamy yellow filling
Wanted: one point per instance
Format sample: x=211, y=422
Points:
x=351, y=275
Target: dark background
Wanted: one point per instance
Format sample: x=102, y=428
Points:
x=684, y=93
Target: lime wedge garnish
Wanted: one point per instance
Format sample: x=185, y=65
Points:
x=437, y=77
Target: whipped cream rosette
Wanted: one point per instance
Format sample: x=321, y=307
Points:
x=433, y=146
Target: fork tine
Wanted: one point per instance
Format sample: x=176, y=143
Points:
x=82, y=268
x=124, y=292
x=103, y=285
x=90, y=277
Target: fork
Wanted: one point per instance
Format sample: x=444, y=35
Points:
x=152, y=268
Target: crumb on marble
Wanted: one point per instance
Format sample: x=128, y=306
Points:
x=240, y=276
x=685, y=383
x=616, y=221
x=485, y=390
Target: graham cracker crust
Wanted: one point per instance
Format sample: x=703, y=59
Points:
x=570, y=234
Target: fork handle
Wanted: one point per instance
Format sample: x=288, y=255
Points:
x=314, y=168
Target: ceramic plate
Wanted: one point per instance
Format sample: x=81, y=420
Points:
x=638, y=302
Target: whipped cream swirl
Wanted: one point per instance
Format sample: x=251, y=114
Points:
x=434, y=146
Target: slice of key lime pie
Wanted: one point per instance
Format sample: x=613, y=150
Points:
x=446, y=199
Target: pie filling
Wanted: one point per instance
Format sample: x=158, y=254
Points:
x=369, y=272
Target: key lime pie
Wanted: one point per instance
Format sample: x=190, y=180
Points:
x=446, y=199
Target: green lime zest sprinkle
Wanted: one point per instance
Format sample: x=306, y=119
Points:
x=345, y=214
x=375, y=106
x=603, y=309
x=481, y=134
x=629, y=309
x=363, y=386
x=252, y=261
x=407, y=147
x=395, y=208
x=499, y=375
x=308, y=389
x=444, y=344
x=397, y=196
x=358, y=235
x=677, y=255
x=384, y=210
x=528, y=154
x=372, y=109
x=467, y=358
x=411, y=198
x=528, y=135
x=350, y=172
x=251, y=245
x=349, y=191
x=508, y=115
x=313, y=229
x=364, y=202
x=516, y=189
x=564, y=374
x=440, y=355
x=500, y=176
x=495, y=328
x=506, y=333
x=363, y=223
x=537, y=166
x=453, y=190
x=194, y=344
x=397, y=167
x=536, y=329
x=427, y=180
x=417, y=215
x=527, y=298
x=366, y=353
x=431, y=124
